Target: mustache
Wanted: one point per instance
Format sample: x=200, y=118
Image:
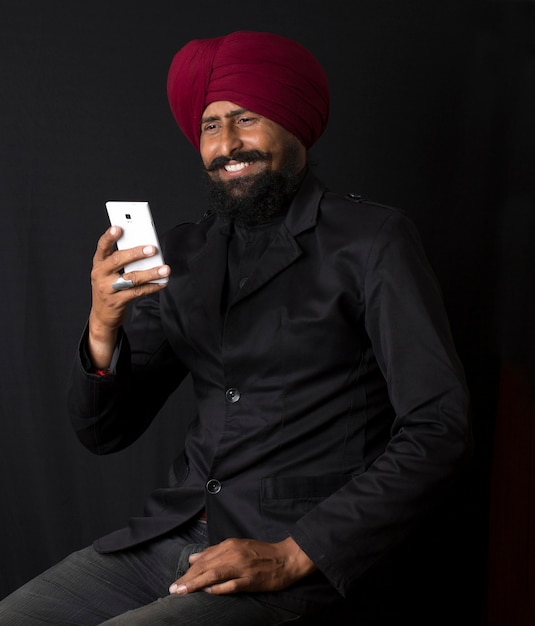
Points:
x=249, y=156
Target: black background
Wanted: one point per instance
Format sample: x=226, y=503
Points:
x=432, y=111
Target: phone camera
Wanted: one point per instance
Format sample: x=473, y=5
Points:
x=128, y=216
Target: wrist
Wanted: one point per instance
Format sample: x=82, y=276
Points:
x=298, y=561
x=101, y=333
x=101, y=344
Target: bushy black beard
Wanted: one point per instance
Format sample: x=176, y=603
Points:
x=254, y=199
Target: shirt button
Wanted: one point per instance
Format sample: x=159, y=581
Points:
x=232, y=395
x=243, y=281
x=213, y=486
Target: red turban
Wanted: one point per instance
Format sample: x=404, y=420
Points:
x=261, y=72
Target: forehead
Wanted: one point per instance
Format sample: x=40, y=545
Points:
x=223, y=108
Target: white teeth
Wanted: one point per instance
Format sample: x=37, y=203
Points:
x=236, y=167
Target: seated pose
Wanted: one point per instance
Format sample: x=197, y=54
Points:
x=333, y=413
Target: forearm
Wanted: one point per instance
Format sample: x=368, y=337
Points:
x=101, y=343
x=376, y=510
x=110, y=412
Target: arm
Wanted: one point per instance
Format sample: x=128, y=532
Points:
x=430, y=437
x=110, y=412
x=108, y=307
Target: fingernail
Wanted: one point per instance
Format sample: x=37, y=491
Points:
x=164, y=270
x=174, y=588
x=113, y=230
x=148, y=250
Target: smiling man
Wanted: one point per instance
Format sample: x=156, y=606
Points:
x=254, y=165
x=332, y=410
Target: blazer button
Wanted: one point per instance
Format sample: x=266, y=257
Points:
x=213, y=486
x=232, y=395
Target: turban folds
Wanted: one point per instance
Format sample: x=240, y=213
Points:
x=264, y=73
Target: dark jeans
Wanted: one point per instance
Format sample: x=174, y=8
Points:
x=131, y=587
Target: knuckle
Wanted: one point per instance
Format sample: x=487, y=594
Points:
x=233, y=586
x=116, y=258
x=133, y=277
x=231, y=544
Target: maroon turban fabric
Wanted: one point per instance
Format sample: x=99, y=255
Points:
x=261, y=72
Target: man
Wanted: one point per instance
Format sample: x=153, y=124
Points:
x=332, y=408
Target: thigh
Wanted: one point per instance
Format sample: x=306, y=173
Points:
x=204, y=609
x=87, y=588
x=84, y=589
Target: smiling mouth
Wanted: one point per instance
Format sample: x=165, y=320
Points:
x=238, y=162
x=236, y=167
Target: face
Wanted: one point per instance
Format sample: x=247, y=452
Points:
x=253, y=165
x=237, y=145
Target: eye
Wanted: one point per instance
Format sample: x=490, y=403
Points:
x=246, y=120
x=210, y=127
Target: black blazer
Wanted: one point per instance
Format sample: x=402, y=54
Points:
x=332, y=406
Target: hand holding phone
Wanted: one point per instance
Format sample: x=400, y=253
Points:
x=135, y=220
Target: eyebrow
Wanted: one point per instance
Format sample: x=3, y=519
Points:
x=213, y=118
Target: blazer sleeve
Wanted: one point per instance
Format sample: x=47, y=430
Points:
x=108, y=413
x=430, y=436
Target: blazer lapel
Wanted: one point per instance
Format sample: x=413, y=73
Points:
x=281, y=252
x=209, y=267
x=284, y=248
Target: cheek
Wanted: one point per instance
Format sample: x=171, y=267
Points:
x=207, y=156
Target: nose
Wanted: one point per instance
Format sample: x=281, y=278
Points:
x=229, y=140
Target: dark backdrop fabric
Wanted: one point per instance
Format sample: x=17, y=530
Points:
x=432, y=111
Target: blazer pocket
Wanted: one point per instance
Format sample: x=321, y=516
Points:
x=285, y=499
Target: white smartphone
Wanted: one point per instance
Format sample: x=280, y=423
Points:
x=135, y=220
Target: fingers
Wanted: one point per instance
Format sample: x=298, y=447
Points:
x=211, y=581
x=231, y=566
x=208, y=570
x=140, y=282
x=114, y=260
x=108, y=262
x=106, y=244
x=108, y=303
